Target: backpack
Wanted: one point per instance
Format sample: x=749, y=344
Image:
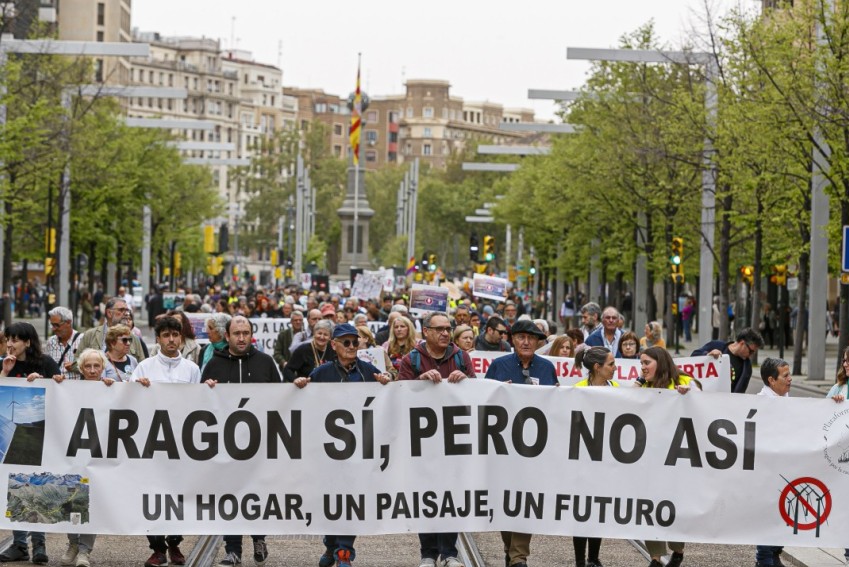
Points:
x=416, y=361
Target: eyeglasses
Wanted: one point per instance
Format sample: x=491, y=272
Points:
x=126, y=340
x=501, y=332
x=57, y=325
x=441, y=330
x=348, y=343
x=629, y=344
x=121, y=309
x=526, y=374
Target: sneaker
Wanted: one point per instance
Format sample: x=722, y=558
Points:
x=594, y=563
x=83, y=559
x=675, y=560
x=39, y=555
x=70, y=557
x=177, y=557
x=260, y=551
x=451, y=562
x=343, y=558
x=655, y=563
x=14, y=553
x=156, y=559
x=230, y=559
x=327, y=559
x=427, y=562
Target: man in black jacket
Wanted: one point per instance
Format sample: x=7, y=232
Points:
x=241, y=363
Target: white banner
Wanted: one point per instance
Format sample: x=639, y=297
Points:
x=422, y=457
x=713, y=374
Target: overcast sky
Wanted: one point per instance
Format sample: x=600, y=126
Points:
x=488, y=50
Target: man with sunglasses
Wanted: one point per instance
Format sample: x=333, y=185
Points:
x=492, y=339
x=437, y=359
x=339, y=549
x=241, y=363
x=117, y=313
x=739, y=352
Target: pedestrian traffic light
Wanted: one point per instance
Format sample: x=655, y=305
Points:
x=779, y=274
x=676, y=253
x=532, y=270
x=424, y=262
x=289, y=262
x=489, y=248
x=431, y=262
x=473, y=248
x=748, y=273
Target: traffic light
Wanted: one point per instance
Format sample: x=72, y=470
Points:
x=532, y=270
x=208, y=239
x=431, y=265
x=748, y=273
x=274, y=257
x=424, y=263
x=779, y=274
x=50, y=241
x=473, y=248
x=676, y=253
x=289, y=262
x=489, y=248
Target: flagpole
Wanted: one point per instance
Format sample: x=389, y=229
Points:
x=356, y=158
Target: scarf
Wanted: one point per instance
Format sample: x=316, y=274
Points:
x=207, y=354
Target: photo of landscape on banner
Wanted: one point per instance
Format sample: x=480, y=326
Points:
x=21, y=425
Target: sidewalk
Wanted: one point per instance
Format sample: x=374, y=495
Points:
x=814, y=556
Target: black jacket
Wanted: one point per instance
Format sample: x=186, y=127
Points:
x=254, y=366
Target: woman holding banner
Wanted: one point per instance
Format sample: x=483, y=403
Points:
x=311, y=354
x=659, y=371
x=601, y=365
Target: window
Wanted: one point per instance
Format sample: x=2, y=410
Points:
x=337, y=129
x=427, y=133
x=371, y=156
x=392, y=157
x=100, y=36
x=427, y=150
x=409, y=112
x=427, y=112
x=371, y=116
x=337, y=151
x=393, y=116
x=371, y=136
x=101, y=14
x=98, y=70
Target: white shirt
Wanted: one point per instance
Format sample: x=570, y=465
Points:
x=767, y=391
x=161, y=368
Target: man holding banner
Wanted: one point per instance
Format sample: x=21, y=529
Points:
x=437, y=359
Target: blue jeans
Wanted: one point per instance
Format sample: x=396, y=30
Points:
x=336, y=543
x=766, y=554
x=20, y=539
x=434, y=546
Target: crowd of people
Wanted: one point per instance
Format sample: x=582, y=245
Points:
x=320, y=345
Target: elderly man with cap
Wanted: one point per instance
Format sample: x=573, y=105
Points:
x=328, y=312
x=339, y=549
x=522, y=367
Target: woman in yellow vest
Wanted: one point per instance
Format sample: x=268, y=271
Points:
x=659, y=371
x=601, y=365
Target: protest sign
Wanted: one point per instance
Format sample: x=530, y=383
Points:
x=423, y=457
x=424, y=298
x=373, y=355
x=490, y=287
x=368, y=285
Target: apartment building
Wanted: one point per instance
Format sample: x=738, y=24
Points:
x=97, y=20
x=426, y=122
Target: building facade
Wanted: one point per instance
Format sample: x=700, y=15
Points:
x=98, y=20
x=426, y=122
